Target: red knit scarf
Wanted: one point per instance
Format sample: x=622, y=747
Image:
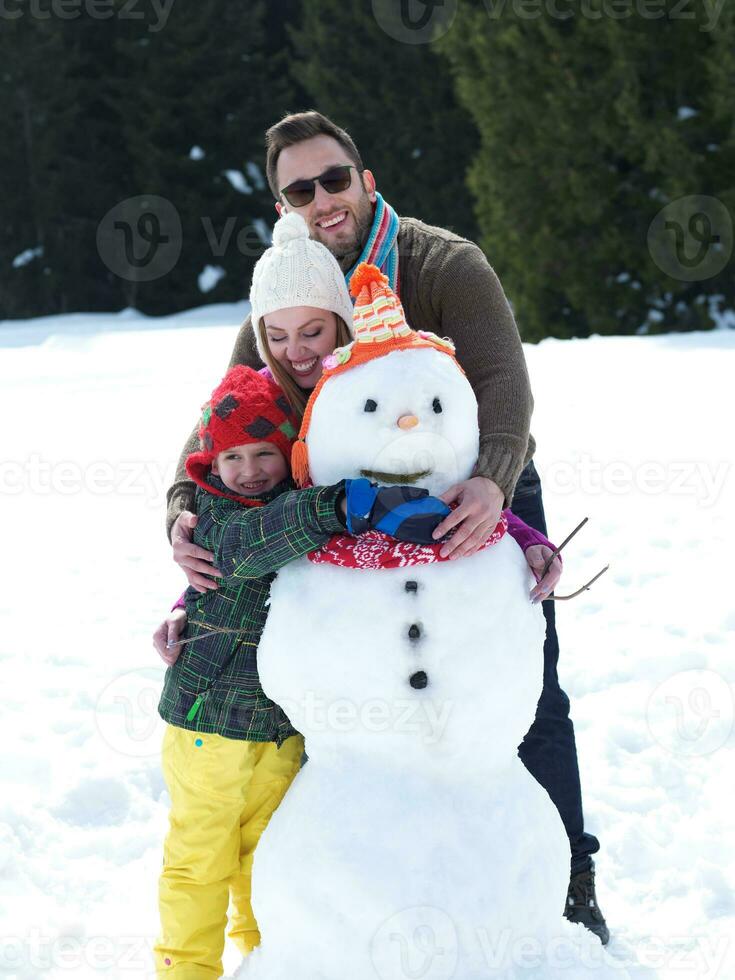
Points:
x=377, y=550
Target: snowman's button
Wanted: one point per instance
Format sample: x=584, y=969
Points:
x=412, y=586
x=418, y=680
x=414, y=632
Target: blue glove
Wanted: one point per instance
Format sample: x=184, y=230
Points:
x=406, y=513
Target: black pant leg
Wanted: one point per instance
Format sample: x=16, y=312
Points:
x=549, y=750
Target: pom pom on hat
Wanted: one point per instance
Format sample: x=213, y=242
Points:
x=290, y=228
x=296, y=271
x=363, y=276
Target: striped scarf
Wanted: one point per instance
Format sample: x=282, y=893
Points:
x=381, y=247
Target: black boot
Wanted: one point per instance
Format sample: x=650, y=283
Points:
x=582, y=904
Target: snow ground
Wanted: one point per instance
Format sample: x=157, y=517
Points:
x=632, y=432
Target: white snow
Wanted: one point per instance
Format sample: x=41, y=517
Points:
x=238, y=181
x=256, y=175
x=263, y=231
x=634, y=432
x=28, y=255
x=209, y=277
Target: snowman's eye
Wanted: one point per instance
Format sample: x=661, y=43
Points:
x=370, y=405
x=436, y=405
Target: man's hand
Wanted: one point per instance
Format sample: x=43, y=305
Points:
x=166, y=637
x=197, y=563
x=480, y=503
x=537, y=556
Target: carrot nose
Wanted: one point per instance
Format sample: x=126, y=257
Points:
x=407, y=422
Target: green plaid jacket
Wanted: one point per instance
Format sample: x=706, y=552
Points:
x=249, y=545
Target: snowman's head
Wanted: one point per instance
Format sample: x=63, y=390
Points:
x=408, y=417
x=393, y=406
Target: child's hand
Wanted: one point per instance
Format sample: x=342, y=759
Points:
x=407, y=513
x=537, y=556
x=166, y=637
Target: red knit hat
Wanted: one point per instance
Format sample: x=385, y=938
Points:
x=245, y=407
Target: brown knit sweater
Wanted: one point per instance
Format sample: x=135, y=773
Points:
x=447, y=286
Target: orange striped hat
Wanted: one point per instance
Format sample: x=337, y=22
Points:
x=379, y=328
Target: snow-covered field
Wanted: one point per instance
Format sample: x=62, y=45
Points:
x=634, y=433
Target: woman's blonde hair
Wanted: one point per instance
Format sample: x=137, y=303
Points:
x=297, y=397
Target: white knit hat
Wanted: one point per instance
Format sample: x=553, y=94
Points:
x=296, y=271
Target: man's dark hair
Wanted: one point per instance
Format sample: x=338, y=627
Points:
x=297, y=127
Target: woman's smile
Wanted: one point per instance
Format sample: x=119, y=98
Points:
x=299, y=338
x=305, y=366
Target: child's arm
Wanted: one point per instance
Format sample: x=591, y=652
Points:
x=257, y=541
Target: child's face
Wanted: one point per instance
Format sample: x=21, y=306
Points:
x=252, y=469
x=299, y=339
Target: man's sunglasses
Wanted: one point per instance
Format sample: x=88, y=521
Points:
x=334, y=181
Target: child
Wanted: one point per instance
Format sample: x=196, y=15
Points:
x=229, y=752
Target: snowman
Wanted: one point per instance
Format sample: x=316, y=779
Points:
x=414, y=843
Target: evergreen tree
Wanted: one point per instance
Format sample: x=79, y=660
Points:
x=396, y=100
x=205, y=89
x=589, y=127
x=108, y=113
x=39, y=106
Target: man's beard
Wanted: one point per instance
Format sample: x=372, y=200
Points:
x=348, y=251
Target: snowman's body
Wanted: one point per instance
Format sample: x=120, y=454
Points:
x=414, y=843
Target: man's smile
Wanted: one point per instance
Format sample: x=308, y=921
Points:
x=333, y=221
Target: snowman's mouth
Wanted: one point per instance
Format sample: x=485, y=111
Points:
x=400, y=478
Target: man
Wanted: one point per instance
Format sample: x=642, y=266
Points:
x=446, y=286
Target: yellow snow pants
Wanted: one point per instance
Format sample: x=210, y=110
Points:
x=223, y=793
